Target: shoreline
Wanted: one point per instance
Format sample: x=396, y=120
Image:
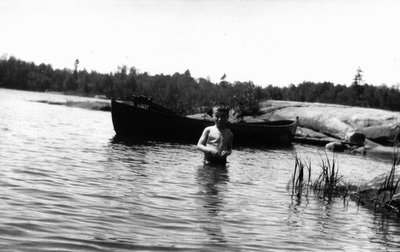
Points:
x=316, y=122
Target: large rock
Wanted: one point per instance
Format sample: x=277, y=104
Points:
x=354, y=138
x=335, y=146
x=382, y=134
x=330, y=119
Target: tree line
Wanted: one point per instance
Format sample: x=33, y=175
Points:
x=185, y=94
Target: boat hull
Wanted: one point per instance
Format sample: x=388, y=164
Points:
x=133, y=120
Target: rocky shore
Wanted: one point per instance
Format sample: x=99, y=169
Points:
x=337, y=127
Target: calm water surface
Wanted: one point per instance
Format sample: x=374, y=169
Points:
x=68, y=184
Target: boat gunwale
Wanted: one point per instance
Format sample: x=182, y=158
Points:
x=290, y=123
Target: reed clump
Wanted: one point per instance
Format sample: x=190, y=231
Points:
x=329, y=183
x=299, y=181
x=382, y=193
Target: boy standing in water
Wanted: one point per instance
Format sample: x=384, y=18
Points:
x=216, y=141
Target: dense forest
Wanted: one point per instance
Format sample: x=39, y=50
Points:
x=185, y=94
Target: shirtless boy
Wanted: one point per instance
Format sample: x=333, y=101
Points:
x=216, y=140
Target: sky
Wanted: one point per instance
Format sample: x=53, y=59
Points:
x=268, y=42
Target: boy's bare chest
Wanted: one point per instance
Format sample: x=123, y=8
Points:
x=216, y=134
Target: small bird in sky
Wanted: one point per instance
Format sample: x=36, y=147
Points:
x=223, y=77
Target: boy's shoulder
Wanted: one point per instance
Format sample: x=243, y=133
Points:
x=214, y=128
x=224, y=131
x=210, y=127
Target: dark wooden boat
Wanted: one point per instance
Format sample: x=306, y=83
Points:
x=150, y=120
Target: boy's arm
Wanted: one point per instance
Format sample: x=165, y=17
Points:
x=201, y=145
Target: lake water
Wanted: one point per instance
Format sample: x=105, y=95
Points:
x=68, y=184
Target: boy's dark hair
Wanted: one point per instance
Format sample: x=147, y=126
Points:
x=219, y=108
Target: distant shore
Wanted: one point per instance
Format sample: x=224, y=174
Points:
x=93, y=105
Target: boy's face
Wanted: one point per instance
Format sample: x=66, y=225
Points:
x=220, y=118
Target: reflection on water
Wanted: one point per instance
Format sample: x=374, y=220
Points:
x=69, y=184
x=212, y=182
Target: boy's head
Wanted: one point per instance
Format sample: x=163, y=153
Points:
x=220, y=115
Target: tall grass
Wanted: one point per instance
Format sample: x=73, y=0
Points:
x=329, y=180
x=298, y=180
x=389, y=186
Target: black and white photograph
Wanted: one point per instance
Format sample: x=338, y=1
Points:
x=199, y=125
